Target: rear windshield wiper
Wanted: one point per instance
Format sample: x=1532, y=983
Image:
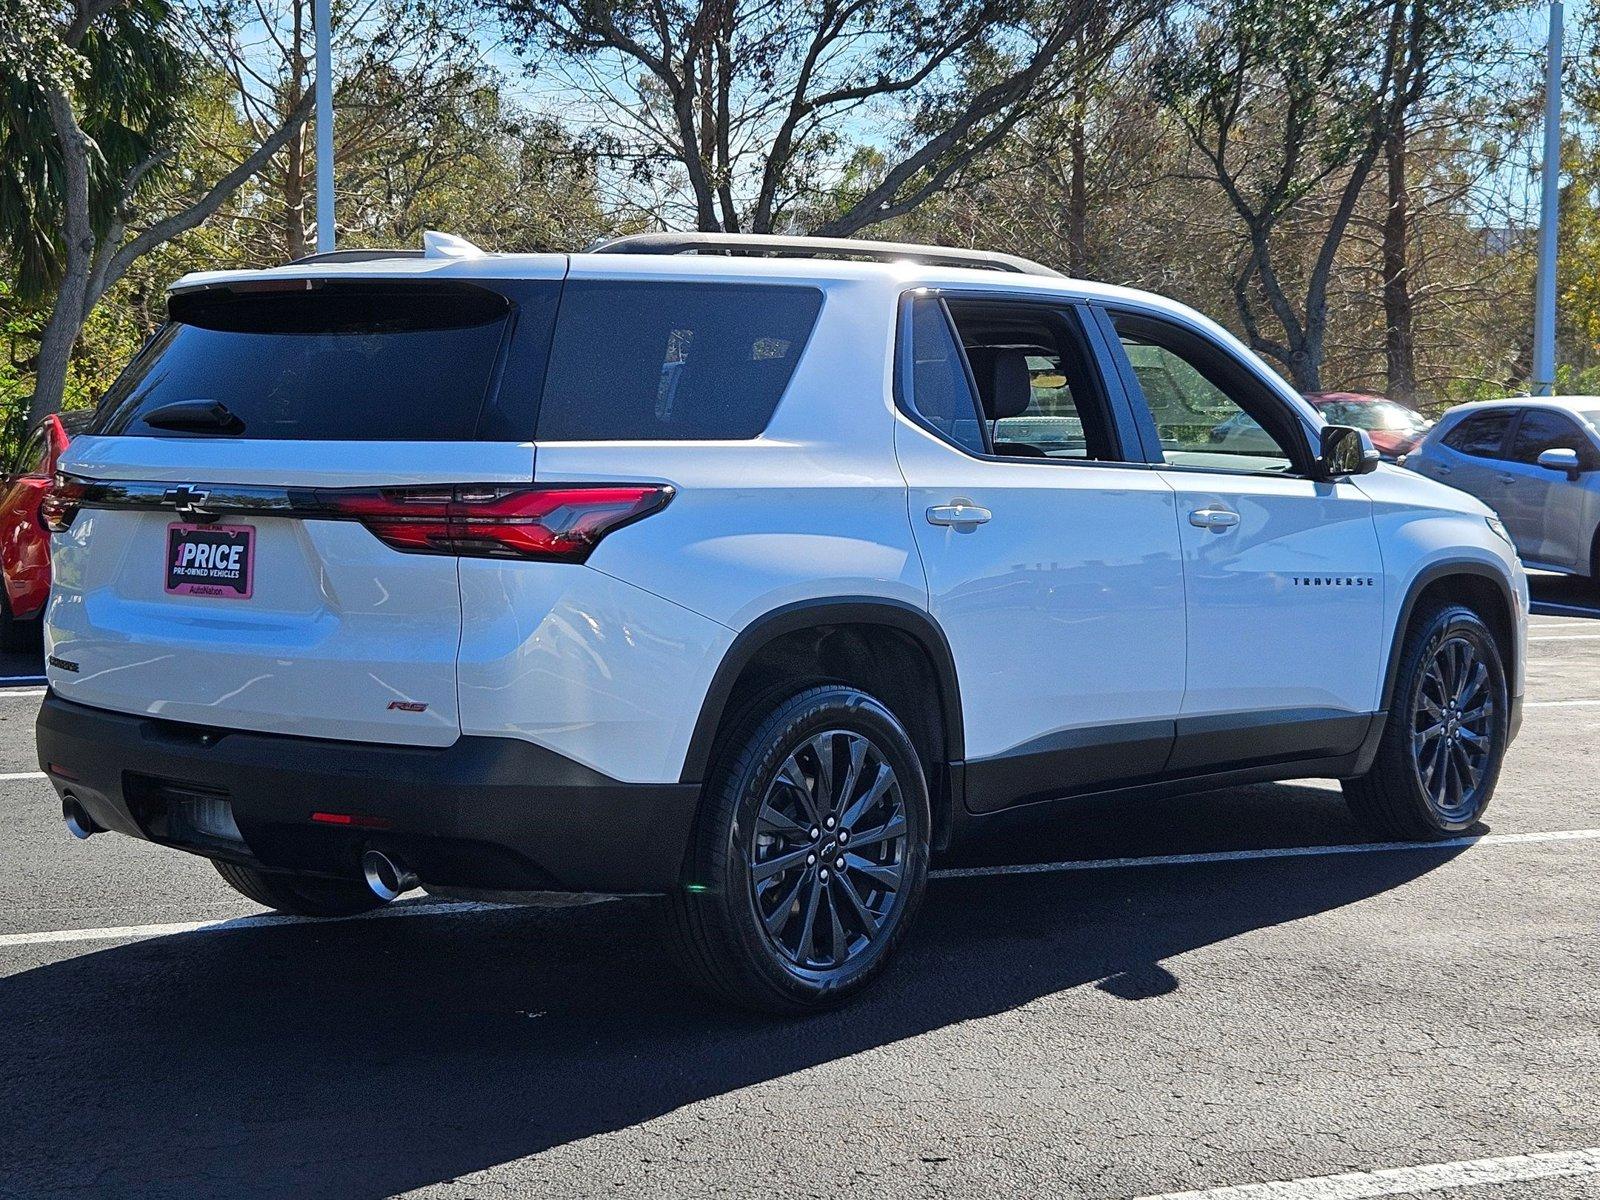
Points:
x=194, y=414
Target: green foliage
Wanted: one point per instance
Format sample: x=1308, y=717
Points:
x=125, y=78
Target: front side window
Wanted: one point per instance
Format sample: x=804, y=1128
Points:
x=1543, y=430
x=1481, y=436
x=672, y=361
x=1203, y=419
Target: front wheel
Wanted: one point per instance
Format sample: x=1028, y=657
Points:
x=1447, y=728
x=810, y=855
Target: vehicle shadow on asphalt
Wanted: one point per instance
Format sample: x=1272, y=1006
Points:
x=368, y=1058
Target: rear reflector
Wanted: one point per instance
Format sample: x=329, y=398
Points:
x=560, y=523
x=351, y=820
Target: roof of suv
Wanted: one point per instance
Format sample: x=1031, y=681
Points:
x=781, y=268
x=1578, y=404
x=787, y=266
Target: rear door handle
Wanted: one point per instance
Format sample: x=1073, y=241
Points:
x=1441, y=469
x=958, y=513
x=1506, y=478
x=1216, y=519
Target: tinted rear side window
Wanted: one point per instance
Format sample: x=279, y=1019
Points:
x=672, y=361
x=345, y=360
x=1481, y=436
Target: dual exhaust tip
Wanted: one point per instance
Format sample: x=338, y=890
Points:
x=388, y=878
x=77, y=819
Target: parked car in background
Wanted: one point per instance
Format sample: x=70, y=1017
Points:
x=1536, y=462
x=24, y=540
x=1395, y=430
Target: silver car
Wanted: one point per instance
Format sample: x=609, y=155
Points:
x=1536, y=462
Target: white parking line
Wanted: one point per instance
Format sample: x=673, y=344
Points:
x=20, y=693
x=1558, y=703
x=1409, y=1181
x=1219, y=856
x=123, y=933
x=4, y=775
x=1568, y=637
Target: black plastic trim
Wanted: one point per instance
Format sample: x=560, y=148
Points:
x=1431, y=574
x=1114, y=758
x=484, y=812
x=815, y=614
x=1069, y=760
x=1230, y=740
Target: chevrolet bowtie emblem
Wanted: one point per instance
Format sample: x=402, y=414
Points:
x=188, y=501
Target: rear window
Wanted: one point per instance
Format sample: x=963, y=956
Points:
x=671, y=361
x=337, y=361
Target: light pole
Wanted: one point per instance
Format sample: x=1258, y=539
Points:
x=322, y=19
x=1544, y=296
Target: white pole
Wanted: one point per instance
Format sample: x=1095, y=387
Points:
x=1544, y=298
x=322, y=19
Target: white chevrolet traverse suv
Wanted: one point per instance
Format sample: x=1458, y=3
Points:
x=745, y=572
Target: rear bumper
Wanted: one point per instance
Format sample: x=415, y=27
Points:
x=486, y=813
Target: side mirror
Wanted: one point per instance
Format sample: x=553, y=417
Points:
x=1560, y=459
x=1346, y=450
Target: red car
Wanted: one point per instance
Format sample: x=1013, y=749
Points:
x=24, y=541
x=1394, y=429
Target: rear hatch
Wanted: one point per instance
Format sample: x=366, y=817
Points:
x=250, y=521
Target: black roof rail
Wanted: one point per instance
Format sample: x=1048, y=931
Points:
x=354, y=256
x=780, y=245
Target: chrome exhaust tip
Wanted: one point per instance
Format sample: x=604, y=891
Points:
x=387, y=878
x=78, y=822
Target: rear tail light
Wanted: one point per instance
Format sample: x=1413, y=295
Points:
x=59, y=507
x=562, y=523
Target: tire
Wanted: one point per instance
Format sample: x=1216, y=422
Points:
x=1594, y=560
x=1440, y=755
x=297, y=895
x=741, y=919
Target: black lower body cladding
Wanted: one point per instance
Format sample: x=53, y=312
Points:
x=486, y=813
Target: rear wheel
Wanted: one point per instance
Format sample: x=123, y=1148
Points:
x=810, y=855
x=1446, y=733
x=298, y=895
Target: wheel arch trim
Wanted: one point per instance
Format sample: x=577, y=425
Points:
x=1420, y=582
x=816, y=614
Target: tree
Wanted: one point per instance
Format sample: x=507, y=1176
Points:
x=1290, y=104
x=400, y=66
x=108, y=77
x=752, y=104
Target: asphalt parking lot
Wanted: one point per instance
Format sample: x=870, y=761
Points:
x=1236, y=1012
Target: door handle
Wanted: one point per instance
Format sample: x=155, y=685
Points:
x=1441, y=469
x=1215, y=519
x=959, y=513
x=1506, y=478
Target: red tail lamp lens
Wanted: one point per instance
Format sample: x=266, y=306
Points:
x=490, y=521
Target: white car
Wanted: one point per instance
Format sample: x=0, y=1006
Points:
x=1536, y=461
x=725, y=570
